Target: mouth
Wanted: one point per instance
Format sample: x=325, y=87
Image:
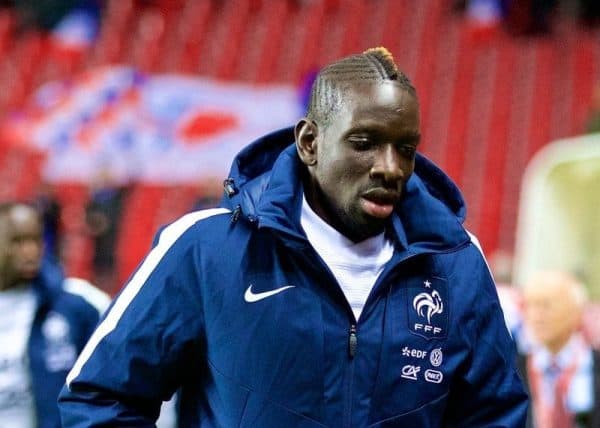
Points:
x=30, y=269
x=379, y=202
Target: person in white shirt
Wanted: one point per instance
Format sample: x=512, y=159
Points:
x=45, y=320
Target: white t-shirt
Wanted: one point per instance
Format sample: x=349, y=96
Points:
x=16, y=316
x=356, y=266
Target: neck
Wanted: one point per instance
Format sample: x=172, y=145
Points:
x=556, y=345
x=11, y=284
x=329, y=215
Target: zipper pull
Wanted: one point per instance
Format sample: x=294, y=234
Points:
x=352, y=341
x=235, y=215
x=229, y=187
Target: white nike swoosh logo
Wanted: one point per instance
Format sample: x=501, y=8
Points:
x=251, y=297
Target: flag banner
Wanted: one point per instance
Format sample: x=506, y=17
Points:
x=154, y=128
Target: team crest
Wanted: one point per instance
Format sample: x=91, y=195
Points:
x=59, y=352
x=428, y=308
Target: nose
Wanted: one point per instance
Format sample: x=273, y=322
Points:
x=31, y=248
x=388, y=165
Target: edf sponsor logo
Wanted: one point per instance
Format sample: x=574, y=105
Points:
x=414, y=353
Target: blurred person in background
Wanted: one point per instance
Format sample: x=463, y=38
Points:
x=533, y=17
x=334, y=288
x=561, y=369
x=49, y=209
x=485, y=12
x=103, y=218
x=48, y=14
x=210, y=192
x=45, y=321
x=501, y=266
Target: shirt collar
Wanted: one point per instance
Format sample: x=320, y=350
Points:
x=572, y=351
x=325, y=238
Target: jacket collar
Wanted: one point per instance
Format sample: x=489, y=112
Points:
x=48, y=283
x=267, y=185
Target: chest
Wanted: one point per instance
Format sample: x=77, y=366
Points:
x=281, y=323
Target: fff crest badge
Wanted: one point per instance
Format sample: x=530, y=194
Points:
x=428, y=308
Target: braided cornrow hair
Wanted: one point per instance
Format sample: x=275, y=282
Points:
x=375, y=64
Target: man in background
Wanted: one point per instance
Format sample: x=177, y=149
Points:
x=45, y=320
x=103, y=219
x=562, y=370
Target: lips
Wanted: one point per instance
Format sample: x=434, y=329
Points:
x=379, y=202
x=29, y=269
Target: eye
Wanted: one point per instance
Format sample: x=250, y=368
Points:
x=408, y=151
x=360, y=142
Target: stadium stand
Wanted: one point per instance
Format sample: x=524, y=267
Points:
x=488, y=103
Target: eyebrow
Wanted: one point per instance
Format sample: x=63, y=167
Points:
x=415, y=137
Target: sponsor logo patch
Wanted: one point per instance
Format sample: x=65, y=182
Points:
x=59, y=352
x=410, y=372
x=414, y=353
x=434, y=376
x=436, y=357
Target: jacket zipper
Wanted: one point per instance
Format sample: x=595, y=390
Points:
x=352, y=334
x=352, y=341
x=352, y=348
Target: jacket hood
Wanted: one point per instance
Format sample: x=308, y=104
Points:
x=264, y=187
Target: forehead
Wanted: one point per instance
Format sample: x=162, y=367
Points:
x=379, y=104
x=23, y=220
x=554, y=292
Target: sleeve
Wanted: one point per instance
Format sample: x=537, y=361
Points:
x=146, y=343
x=490, y=391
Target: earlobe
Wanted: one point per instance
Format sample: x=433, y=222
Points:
x=306, y=141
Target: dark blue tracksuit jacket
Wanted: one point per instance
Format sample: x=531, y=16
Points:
x=62, y=324
x=234, y=307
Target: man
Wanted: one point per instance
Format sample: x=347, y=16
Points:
x=103, y=218
x=336, y=288
x=562, y=370
x=44, y=322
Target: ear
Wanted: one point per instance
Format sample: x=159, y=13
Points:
x=306, y=132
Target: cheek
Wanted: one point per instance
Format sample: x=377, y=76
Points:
x=339, y=173
x=408, y=167
x=345, y=170
x=536, y=316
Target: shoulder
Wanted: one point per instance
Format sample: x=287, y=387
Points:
x=192, y=235
x=206, y=221
x=475, y=255
x=76, y=305
x=189, y=231
x=466, y=260
x=468, y=274
x=90, y=294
